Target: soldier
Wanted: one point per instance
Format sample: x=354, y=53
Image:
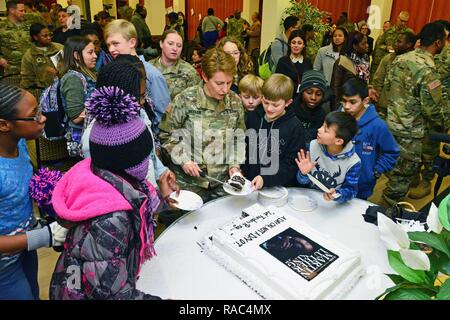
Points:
x=14, y=41
x=405, y=43
x=414, y=100
x=124, y=11
x=235, y=26
x=385, y=43
x=197, y=130
x=178, y=73
x=37, y=69
x=430, y=148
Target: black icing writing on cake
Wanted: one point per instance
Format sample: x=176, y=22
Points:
x=248, y=223
x=302, y=255
x=258, y=232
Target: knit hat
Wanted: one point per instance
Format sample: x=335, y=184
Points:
x=313, y=78
x=119, y=139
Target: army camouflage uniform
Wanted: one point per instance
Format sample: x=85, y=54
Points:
x=206, y=127
x=235, y=28
x=14, y=41
x=378, y=83
x=414, y=100
x=387, y=39
x=179, y=76
x=125, y=12
x=35, y=63
x=430, y=148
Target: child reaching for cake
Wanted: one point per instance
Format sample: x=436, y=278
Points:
x=332, y=158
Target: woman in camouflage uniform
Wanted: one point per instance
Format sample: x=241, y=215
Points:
x=178, y=73
x=37, y=69
x=198, y=128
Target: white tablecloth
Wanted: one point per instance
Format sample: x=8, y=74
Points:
x=182, y=271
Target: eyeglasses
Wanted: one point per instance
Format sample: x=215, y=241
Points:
x=234, y=53
x=38, y=117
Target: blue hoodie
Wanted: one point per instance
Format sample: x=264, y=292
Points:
x=377, y=149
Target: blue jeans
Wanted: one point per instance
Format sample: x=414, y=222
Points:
x=19, y=280
x=209, y=38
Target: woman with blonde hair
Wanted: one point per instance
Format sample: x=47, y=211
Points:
x=206, y=116
x=244, y=64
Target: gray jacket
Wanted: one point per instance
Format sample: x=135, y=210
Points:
x=279, y=48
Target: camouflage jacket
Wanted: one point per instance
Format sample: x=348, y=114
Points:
x=235, y=28
x=179, y=76
x=383, y=43
x=378, y=80
x=14, y=41
x=414, y=95
x=442, y=61
x=206, y=128
x=35, y=66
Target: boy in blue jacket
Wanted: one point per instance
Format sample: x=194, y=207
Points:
x=374, y=143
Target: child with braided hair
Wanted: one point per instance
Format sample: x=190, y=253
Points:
x=20, y=119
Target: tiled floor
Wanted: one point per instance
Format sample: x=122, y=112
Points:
x=48, y=257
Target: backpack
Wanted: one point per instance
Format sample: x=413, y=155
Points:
x=52, y=107
x=265, y=64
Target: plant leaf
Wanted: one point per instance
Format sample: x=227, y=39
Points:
x=444, y=213
x=444, y=292
x=395, y=278
x=396, y=262
x=394, y=237
x=407, y=294
x=431, y=239
x=415, y=259
x=433, y=219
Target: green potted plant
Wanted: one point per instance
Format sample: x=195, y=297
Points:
x=421, y=258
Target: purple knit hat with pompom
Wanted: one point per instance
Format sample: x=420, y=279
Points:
x=119, y=139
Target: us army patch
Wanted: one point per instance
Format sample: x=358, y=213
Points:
x=433, y=85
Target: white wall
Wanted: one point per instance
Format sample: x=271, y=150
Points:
x=95, y=6
x=380, y=12
x=249, y=7
x=3, y=5
x=272, y=13
x=179, y=5
x=156, y=16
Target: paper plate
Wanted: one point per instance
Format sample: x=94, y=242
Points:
x=303, y=203
x=187, y=200
x=247, y=189
x=276, y=196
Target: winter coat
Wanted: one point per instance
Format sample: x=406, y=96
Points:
x=104, y=247
x=290, y=140
x=377, y=149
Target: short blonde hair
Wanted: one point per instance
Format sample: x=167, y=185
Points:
x=251, y=84
x=122, y=26
x=216, y=60
x=278, y=86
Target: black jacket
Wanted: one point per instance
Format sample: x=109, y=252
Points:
x=293, y=70
x=291, y=140
x=310, y=119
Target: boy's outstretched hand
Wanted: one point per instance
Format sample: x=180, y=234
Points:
x=304, y=163
x=330, y=196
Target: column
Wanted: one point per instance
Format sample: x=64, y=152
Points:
x=179, y=5
x=249, y=7
x=271, y=19
x=380, y=11
x=156, y=16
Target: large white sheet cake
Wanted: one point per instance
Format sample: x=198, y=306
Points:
x=280, y=257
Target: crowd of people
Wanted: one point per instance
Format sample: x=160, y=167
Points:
x=143, y=123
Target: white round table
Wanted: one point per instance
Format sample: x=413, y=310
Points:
x=182, y=271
